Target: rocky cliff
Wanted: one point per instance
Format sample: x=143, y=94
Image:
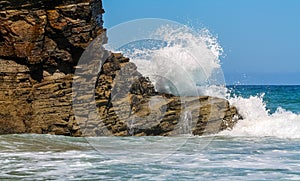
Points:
x=41, y=43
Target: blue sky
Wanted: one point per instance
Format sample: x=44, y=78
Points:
x=261, y=38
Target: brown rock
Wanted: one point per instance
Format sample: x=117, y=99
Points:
x=38, y=51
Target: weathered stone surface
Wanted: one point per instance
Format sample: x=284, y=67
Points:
x=31, y=106
x=40, y=43
x=48, y=35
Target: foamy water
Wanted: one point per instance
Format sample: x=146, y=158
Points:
x=260, y=122
x=187, y=62
x=177, y=59
x=224, y=158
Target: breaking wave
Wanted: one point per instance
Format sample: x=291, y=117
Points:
x=183, y=62
x=259, y=122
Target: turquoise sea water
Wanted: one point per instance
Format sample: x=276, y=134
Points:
x=264, y=146
x=287, y=97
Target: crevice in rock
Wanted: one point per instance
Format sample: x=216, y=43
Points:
x=21, y=61
x=36, y=72
x=62, y=42
x=2, y=40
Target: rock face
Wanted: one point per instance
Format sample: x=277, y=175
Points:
x=51, y=34
x=40, y=45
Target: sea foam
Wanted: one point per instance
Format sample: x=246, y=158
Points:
x=178, y=60
x=259, y=122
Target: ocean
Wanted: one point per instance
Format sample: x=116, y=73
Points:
x=263, y=146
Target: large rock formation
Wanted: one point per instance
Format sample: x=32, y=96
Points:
x=40, y=45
